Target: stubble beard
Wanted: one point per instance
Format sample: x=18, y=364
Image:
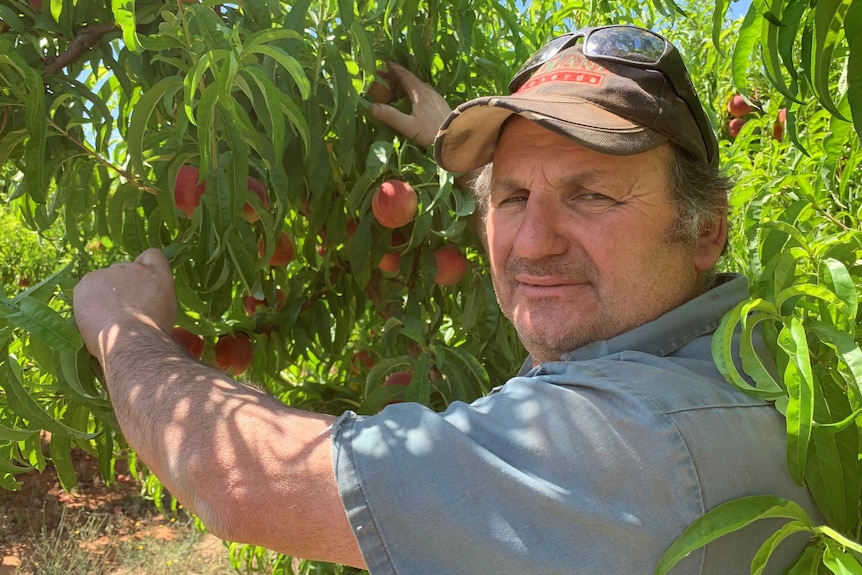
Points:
x=545, y=341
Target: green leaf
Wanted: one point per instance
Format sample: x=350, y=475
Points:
x=758, y=564
x=46, y=324
x=10, y=467
x=345, y=11
x=800, y=388
x=387, y=365
x=808, y=562
x=273, y=115
x=751, y=316
x=290, y=65
x=143, y=109
x=192, y=83
x=473, y=365
x=828, y=21
x=124, y=16
x=833, y=473
x=853, y=30
x=850, y=352
x=377, y=161
x=12, y=18
x=841, y=283
x=9, y=434
x=839, y=561
x=789, y=294
x=420, y=385
x=70, y=380
x=61, y=457
x=839, y=538
x=366, y=51
x=358, y=250
x=24, y=406
x=749, y=33
x=791, y=17
x=35, y=173
x=718, y=22
x=723, y=352
x=726, y=518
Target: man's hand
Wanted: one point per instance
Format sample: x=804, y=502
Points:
x=139, y=291
x=429, y=109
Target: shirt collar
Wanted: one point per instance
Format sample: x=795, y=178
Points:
x=671, y=331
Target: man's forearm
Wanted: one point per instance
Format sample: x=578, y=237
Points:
x=248, y=466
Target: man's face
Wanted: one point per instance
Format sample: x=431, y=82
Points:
x=578, y=240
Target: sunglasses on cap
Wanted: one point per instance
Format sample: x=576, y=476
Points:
x=630, y=46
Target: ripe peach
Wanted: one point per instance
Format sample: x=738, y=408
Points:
x=451, y=266
x=394, y=203
x=778, y=125
x=192, y=342
x=361, y=358
x=734, y=126
x=188, y=190
x=284, y=250
x=399, y=378
x=390, y=263
x=777, y=131
x=234, y=353
x=738, y=107
x=380, y=91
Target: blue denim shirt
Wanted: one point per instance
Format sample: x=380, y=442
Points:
x=590, y=465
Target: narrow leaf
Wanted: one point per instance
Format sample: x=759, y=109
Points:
x=800, y=388
x=758, y=564
x=164, y=88
x=726, y=518
x=47, y=324
x=124, y=16
x=853, y=31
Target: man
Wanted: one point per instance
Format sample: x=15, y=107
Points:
x=616, y=435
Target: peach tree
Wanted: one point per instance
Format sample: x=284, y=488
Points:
x=236, y=137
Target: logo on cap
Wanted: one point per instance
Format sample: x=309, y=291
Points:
x=570, y=66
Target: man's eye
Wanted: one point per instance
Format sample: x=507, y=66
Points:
x=511, y=199
x=593, y=197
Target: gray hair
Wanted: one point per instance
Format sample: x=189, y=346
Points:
x=698, y=190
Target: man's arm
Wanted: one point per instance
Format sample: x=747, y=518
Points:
x=252, y=469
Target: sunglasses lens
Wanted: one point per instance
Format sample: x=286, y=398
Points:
x=630, y=44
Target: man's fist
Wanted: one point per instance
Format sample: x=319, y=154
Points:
x=125, y=293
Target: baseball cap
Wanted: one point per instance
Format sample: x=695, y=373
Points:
x=611, y=106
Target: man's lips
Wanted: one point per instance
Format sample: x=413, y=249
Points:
x=547, y=286
x=546, y=281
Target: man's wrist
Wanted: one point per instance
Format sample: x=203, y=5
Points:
x=123, y=331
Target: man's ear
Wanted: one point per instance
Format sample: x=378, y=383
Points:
x=712, y=242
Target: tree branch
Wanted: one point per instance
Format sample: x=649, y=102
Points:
x=86, y=39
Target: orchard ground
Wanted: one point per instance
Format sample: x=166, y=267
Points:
x=98, y=530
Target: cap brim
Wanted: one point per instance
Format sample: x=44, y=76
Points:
x=469, y=135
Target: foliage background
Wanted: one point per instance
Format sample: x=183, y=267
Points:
x=101, y=103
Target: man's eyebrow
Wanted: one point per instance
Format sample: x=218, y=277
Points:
x=581, y=178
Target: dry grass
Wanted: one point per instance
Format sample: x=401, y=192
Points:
x=96, y=545
x=99, y=529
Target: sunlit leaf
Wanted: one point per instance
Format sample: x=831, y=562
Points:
x=726, y=518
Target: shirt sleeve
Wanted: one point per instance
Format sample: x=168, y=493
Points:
x=534, y=478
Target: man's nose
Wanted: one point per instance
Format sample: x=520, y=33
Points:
x=539, y=233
